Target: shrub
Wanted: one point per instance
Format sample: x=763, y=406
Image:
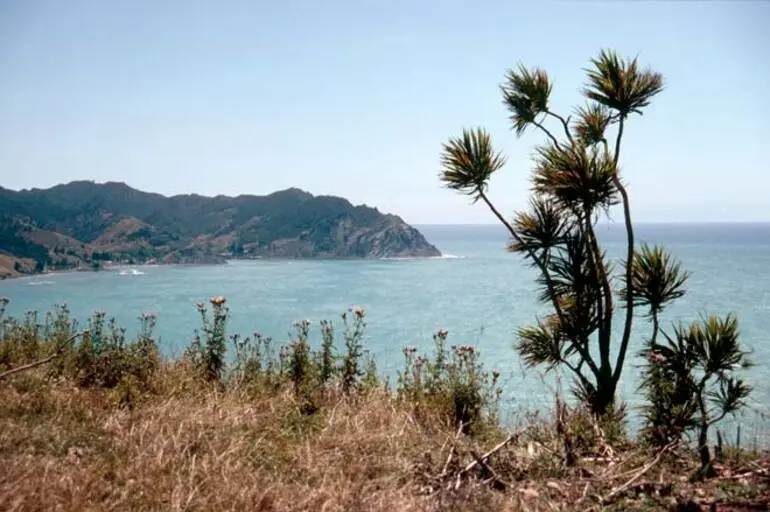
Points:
x=207, y=354
x=104, y=358
x=453, y=382
x=690, y=382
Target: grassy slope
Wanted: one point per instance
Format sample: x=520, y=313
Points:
x=190, y=446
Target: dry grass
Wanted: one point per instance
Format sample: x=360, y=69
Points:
x=191, y=446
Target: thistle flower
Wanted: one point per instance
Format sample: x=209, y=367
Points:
x=656, y=358
x=217, y=301
x=357, y=310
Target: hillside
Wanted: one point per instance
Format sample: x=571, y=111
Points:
x=83, y=224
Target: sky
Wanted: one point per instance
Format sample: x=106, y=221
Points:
x=355, y=97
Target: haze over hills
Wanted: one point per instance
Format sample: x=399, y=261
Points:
x=83, y=224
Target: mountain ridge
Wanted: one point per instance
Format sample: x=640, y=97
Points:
x=84, y=224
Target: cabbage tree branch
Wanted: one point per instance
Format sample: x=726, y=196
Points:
x=547, y=275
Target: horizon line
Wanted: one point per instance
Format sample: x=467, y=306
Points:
x=620, y=223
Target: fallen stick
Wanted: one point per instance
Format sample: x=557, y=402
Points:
x=452, y=450
x=494, y=476
x=59, y=350
x=638, y=474
x=491, y=452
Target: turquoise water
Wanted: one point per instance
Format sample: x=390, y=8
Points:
x=477, y=291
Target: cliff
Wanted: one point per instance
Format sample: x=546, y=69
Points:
x=85, y=224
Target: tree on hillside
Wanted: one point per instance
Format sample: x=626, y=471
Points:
x=575, y=181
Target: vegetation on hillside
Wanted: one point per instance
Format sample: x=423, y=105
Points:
x=91, y=420
x=128, y=225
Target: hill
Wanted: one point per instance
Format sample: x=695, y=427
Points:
x=83, y=224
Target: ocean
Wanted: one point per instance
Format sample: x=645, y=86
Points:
x=477, y=291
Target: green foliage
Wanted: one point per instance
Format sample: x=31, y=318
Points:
x=207, y=354
x=453, y=383
x=256, y=363
x=301, y=371
x=13, y=241
x=525, y=94
x=621, y=85
x=99, y=356
x=104, y=357
x=469, y=161
x=690, y=382
x=181, y=228
x=658, y=279
x=574, y=182
x=326, y=361
x=351, y=370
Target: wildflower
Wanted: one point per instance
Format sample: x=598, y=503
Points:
x=442, y=333
x=217, y=301
x=358, y=311
x=656, y=358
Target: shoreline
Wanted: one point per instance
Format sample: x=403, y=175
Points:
x=442, y=256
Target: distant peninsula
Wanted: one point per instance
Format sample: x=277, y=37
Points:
x=87, y=225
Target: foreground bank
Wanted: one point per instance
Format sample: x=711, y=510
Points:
x=90, y=420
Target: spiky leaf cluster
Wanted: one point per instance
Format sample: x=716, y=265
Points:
x=578, y=178
x=591, y=124
x=525, y=95
x=690, y=378
x=658, y=279
x=621, y=85
x=469, y=161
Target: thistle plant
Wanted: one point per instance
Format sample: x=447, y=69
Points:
x=208, y=353
x=351, y=363
x=453, y=380
x=326, y=362
x=576, y=180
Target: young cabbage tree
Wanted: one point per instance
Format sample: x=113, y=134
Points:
x=576, y=180
x=690, y=382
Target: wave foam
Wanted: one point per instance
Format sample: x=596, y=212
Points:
x=131, y=272
x=411, y=258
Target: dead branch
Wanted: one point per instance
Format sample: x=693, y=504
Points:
x=638, y=474
x=499, y=483
x=616, y=467
x=452, y=450
x=491, y=452
x=59, y=351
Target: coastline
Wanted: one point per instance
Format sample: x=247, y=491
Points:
x=110, y=268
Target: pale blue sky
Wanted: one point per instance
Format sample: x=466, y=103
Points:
x=355, y=97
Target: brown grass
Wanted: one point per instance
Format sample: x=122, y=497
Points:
x=193, y=446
